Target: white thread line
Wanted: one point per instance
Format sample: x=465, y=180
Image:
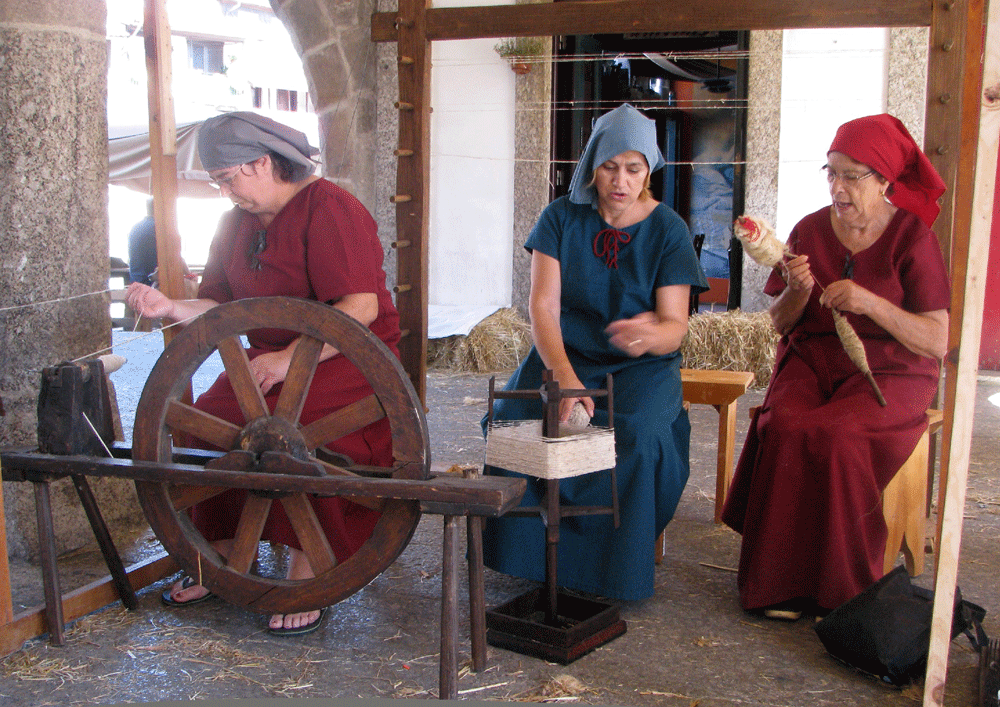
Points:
x=52, y=301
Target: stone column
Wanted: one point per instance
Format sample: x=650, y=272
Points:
x=53, y=223
x=333, y=37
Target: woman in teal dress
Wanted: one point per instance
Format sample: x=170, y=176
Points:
x=611, y=274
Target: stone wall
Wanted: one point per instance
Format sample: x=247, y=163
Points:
x=53, y=233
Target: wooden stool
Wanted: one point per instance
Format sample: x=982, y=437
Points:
x=904, y=503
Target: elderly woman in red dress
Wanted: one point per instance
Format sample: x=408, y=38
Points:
x=291, y=234
x=806, y=495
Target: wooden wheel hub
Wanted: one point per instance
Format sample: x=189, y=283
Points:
x=273, y=434
x=275, y=441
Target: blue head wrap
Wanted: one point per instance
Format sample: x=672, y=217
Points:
x=615, y=132
x=240, y=137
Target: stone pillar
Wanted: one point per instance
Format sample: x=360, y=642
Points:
x=532, y=151
x=333, y=37
x=763, y=126
x=53, y=226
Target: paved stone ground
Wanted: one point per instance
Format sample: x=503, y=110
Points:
x=690, y=644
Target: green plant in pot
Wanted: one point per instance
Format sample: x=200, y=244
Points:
x=521, y=51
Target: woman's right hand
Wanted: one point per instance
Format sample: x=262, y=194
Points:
x=148, y=302
x=797, y=273
x=569, y=381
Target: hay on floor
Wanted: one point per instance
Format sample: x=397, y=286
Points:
x=498, y=343
x=731, y=341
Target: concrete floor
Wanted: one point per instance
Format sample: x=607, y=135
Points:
x=690, y=644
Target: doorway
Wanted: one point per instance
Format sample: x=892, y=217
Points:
x=693, y=85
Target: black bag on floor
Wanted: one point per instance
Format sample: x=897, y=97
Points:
x=886, y=630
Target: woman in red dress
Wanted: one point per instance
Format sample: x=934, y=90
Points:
x=807, y=491
x=290, y=234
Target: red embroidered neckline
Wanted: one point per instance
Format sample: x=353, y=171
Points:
x=607, y=244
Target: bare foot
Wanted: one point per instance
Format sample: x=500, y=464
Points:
x=185, y=591
x=298, y=568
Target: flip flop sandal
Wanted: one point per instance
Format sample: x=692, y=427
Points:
x=301, y=630
x=186, y=582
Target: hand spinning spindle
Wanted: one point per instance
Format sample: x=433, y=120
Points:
x=761, y=244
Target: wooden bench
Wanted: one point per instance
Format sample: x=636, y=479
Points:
x=721, y=390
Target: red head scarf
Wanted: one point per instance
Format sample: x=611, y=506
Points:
x=883, y=143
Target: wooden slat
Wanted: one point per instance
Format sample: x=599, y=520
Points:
x=489, y=496
x=248, y=395
x=163, y=150
x=343, y=422
x=203, y=426
x=960, y=410
x=944, y=108
x=248, y=532
x=624, y=16
x=80, y=602
x=413, y=180
x=309, y=532
x=305, y=358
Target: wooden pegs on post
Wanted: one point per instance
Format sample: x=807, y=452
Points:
x=402, y=288
x=403, y=152
x=400, y=244
x=400, y=198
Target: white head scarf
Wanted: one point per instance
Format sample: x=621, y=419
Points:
x=615, y=132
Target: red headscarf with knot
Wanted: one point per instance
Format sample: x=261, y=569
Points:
x=883, y=143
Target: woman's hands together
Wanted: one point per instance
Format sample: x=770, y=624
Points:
x=635, y=335
x=847, y=296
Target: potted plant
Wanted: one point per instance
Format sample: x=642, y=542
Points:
x=520, y=51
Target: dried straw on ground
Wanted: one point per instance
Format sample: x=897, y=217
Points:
x=731, y=341
x=498, y=343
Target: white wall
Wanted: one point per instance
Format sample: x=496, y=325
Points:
x=472, y=172
x=829, y=76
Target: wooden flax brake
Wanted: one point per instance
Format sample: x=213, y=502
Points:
x=276, y=459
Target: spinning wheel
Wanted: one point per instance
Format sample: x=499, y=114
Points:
x=276, y=443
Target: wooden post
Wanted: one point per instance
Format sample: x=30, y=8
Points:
x=163, y=151
x=412, y=197
x=962, y=372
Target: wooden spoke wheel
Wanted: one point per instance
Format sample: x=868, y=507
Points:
x=161, y=414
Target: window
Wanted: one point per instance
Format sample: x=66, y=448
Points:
x=287, y=100
x=206, y=56
x=258, y=97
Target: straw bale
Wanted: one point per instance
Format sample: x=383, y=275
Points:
x=498, y=343
x=731, y=341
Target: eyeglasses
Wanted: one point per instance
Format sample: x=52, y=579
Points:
x=257, y=246
x=848, y=178
x=218, y=182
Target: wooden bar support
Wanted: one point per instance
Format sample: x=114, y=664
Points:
x=974, y=194
x=413, y=51
x=47, y=559
x=448, y=666
x=627, y=16
x=111, y=557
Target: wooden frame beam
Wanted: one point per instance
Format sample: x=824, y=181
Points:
x=625, y=16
